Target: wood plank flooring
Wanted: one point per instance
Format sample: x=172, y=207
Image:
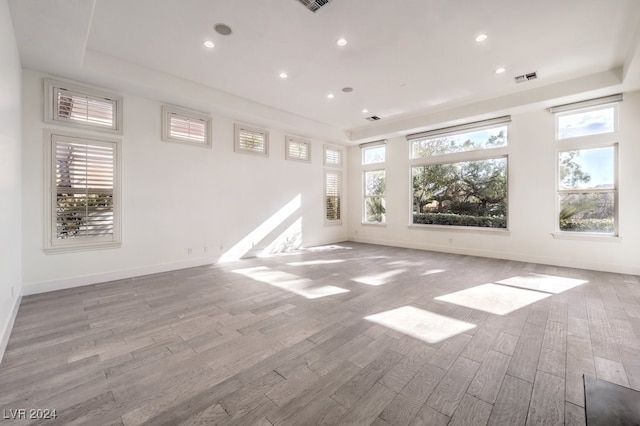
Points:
x=285, y=341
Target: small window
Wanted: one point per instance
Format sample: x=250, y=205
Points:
x=251, y=140
x=332, y=156
x=374, y=154
x=587, y=192
x=587, y=121
x=374, y=202
x=185, y=126
x=84, y=198
x=82, y=107
x=332, y=193
x=297, y=149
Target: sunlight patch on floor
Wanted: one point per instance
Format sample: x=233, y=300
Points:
x=424, y=325
x=379, y=279
x=431, y=272
x=494, y=298
x=316, y=262
x=301, y=286
x=547, y=283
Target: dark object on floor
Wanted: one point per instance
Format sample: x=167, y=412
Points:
x=608, y=404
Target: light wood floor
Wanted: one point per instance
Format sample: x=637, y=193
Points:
x=325, y=337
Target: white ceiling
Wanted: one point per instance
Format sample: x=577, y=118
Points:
x=404, y=58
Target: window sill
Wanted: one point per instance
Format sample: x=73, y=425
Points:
x=586, y=237
x=382, y=224
x=332, y=222
x=468, y=229
x=81, y=247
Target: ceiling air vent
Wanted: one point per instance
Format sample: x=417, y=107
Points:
x=314, y=5
x=373, y=118
x=526, y=77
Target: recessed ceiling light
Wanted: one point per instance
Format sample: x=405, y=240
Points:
x=222, y=29
x=481, y=37
x=364, y=111
x=347, y=89
x=284, y=75
x=330, y=96
x=209, y=44
x=500, y=70
x=342, y=42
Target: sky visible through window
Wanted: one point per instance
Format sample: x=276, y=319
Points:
x=599, y=164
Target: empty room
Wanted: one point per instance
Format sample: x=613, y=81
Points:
x=301, y=212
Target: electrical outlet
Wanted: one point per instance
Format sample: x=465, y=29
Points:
x=221, y=247
x=450, y=240
x=11, y=292
x=206, y=249
x=189, y=251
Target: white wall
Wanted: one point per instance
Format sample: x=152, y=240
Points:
x=532, y=156
x=10, y=177
x=175, y=197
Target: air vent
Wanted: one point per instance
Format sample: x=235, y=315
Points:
x=526, y=77
x=314, y=5
x=373, y=118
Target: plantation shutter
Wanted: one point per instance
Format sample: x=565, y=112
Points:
x=189, y=129
x=84, y=188
x=83, y=108
x=332, y=195
x=298, y=150
x=252, y=141
x=332, y=157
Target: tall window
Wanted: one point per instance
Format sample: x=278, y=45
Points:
x=332, y=196
x=374, y=182
x=459, y=175
x=83, y=107
x=83, y=201
x=587, y=185
x=332, y=184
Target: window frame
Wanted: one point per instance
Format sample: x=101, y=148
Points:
x=51, y=88
x=485, y=153
x=578, y=145
x=169, y=110
x=296, y=140
x=372, y=145
x=365, y=197
x=337, y=221
x=325, y=157
x=51, y=243
x=585, y=142
x=238, y=128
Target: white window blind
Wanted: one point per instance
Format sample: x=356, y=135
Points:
x=84, y=194
x=251, y=140
x=80, y=106
x=181, y=125
x=297, y=149
x=332, y=191
x=332, y=156
x=84, y=108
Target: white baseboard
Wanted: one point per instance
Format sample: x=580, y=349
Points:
x=78, y=281
x=519, y=257
x=6, y=331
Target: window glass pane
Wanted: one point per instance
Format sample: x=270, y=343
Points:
x=374, y=183
x=375, y=154
x=587, y=212
x=587, y=168
x=584, y=123
x=459, y=142
x=471, y=193
x=332, y=157
x=374, y=209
